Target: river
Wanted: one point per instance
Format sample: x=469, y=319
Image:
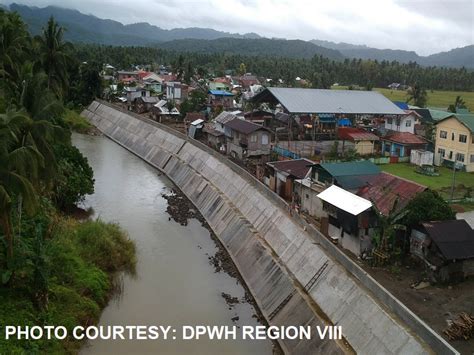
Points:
x=175, y=284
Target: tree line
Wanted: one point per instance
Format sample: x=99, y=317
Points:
x=319, y=71
x=40, y=170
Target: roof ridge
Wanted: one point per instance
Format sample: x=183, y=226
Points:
x=404, y=179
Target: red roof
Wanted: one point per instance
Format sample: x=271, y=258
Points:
x=356, y=134
x=405, y=138
x=386, y=189
x=142, y=74
x=298, y=168
x=168, y=77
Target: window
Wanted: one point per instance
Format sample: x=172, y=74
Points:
x=389, y=121
x=452, y=136
x=443, y=134
x=460, y=157
x=408, y=123
x=264, y=139
x=450, y=155
x=462, y=138
x=441, y=152
x=472, y=158
x=253, y=138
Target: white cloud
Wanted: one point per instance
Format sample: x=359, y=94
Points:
x=424, y=26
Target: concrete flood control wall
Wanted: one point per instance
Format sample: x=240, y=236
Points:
x=277, y=254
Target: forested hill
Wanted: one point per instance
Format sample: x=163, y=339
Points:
x=458, y=57
x=253, y=47
x=90, y=29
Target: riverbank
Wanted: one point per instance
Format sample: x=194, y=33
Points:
x=77, y=284
x=181, y=209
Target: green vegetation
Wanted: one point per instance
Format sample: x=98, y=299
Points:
x=441, y=184
x=76, y=122
x=53, y=270
x=427, y=206
x=434, y=98
x=79, y=282
x=318, y=71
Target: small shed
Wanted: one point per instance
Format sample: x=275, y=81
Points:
x=421, y=157
x=195, y=128
x=446, y=247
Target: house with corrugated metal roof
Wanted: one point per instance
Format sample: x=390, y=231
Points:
x=317, y=101
x=246, y=139
x=400, y=144
x=446, y=248
x=347, y=175
x=281, y=175
x=364, y=142
x=220, y=98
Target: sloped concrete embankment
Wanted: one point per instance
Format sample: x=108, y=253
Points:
x=276, y=253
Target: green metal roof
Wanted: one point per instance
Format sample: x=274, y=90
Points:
x=439, y=115
x=364, y=167
x=467, y=120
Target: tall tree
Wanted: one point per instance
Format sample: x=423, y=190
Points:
x=417, y=95
x=54, y=57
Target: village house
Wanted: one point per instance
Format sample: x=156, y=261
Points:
x=364, y=142
x=405, y=123
x=223, y=84
x=446, y=247
x=163, y=109
x=153, y=82
x=348, y=221
x=215, y=138
x=220, y=98
x=400, y=144
x=175, y=91
x=247, y=80
x=283, y=173
x=455, y=141
x=133, y=93
x=347, y=175
x=246, y=139
x=145, y=104
x=221, y=119
x=388, y=195
x=124, y=75
x=260, y=117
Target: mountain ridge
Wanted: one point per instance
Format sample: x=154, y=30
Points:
x=91, y=29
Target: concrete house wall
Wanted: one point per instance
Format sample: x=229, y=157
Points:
x=451, y=144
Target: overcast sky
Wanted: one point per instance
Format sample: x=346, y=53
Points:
x=423, y=26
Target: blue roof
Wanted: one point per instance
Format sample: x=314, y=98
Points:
x=344, y=122
x=220, y=93
x=402, y=105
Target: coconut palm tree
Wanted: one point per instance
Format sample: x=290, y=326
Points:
x=20, y=162
x=54, y=57
x=417, y=95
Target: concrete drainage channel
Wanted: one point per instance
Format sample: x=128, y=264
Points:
x=295, y=275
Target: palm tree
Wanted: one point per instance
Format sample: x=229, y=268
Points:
x=458, y=103
x=417, y=95
x=20, y=162
x=54, y=57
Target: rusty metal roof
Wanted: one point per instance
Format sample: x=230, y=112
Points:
x=385, y=189
x=405, y=138
x=356, y=134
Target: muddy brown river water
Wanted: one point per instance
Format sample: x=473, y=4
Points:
x=175, y=283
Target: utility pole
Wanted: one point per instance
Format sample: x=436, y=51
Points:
x=453, y=181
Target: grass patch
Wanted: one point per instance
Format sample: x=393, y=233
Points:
x=82, y=262
x=76, y=122
x=441, y=183
x=435, y=98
